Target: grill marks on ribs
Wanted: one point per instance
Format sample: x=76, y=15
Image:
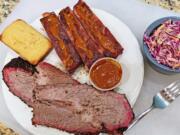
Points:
x=61, y=102
x=61, y=42
x=97, y=30
x=85, y=46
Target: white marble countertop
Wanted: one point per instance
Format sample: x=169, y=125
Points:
x=137, y=16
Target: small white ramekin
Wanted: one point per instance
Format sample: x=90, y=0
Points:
x=91, y=81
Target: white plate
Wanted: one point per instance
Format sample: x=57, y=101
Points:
x=132, y=65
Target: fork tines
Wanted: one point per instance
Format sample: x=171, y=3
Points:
x=171, y=91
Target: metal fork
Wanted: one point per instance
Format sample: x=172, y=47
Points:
x=161, y=100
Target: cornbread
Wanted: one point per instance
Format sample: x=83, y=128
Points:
x=26, y=41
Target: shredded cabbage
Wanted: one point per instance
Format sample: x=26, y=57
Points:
x=164, y=44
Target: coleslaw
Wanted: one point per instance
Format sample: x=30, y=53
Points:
x=164, y=44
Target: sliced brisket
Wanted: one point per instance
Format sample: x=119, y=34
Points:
x=81, y=109
x=18, y=76
x=48, y=75
x=60, y=102
x=21, y=78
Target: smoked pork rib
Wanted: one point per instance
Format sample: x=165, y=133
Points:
x=81, y=109
x=97, y=30
x=86, y=47
x=61, y=42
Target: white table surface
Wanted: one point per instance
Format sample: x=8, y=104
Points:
x=137, y=16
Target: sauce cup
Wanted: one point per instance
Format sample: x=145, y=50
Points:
x=105, y=74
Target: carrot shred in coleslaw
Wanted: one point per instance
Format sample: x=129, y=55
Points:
x=164, y=44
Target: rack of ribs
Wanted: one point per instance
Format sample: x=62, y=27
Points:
x=97, y=30
x=61, y=42
x=84, y=44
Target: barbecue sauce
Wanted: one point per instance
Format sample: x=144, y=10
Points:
x=106, y=73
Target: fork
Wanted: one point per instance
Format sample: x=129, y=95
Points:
x=161, y=100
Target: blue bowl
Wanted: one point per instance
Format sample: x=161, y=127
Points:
x=152, y=61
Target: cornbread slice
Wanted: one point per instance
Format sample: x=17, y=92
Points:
x=26, y=41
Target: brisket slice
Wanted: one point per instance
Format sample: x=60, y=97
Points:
x=50, y=75
x=22, y=77
x=60, y=102
x=81, y=109
x=18, y=76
